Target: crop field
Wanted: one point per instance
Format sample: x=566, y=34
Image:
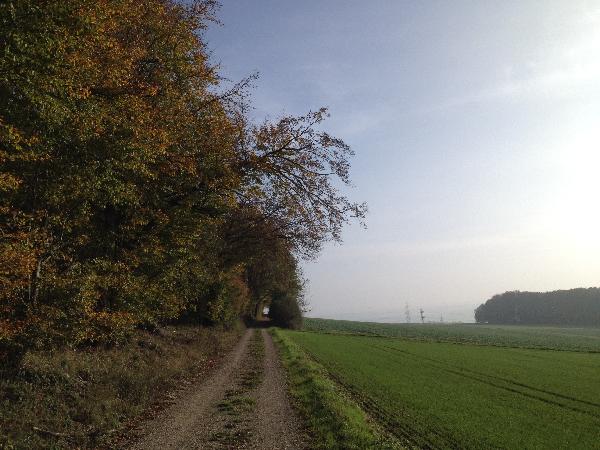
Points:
x=542, y=337
x=444, y=395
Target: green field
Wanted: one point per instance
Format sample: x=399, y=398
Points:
x=543, y=337
x=443, y=395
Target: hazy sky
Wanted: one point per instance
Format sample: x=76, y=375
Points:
x=477, y=131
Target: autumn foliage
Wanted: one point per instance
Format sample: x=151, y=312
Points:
x=134, y=189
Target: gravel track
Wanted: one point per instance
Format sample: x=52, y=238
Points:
x=206, y=415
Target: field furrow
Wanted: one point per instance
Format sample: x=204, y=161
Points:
x=447, y=395
x=507, y=384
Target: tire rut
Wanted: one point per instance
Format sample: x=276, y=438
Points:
x=279, y=427
x=243, y=405
x=178, y=426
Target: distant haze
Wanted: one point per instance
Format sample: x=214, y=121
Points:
x=477, y=132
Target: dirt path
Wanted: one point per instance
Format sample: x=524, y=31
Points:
x=243, y=405
x=278, y=424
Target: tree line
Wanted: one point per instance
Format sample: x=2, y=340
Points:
x=135, y=188
x=567, y=307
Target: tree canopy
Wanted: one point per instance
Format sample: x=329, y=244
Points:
x=134, y=188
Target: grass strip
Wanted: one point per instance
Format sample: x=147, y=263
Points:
x=333, y=419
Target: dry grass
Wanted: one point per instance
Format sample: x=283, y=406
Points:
x=82, y=398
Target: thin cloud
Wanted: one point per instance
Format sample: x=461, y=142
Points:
x=565, y=72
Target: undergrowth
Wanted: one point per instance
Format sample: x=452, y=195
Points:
x=82, y=398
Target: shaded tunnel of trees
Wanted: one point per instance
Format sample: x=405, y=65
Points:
x=567, y=307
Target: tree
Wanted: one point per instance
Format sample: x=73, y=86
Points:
x=134, y=189
x=113, y=153
x=285, y=311
x=289, y=168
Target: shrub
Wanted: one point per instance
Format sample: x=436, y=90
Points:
x=285, y=311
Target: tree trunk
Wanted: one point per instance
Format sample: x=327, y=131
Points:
x=258, y=313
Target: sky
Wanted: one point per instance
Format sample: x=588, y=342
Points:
x=476, y=127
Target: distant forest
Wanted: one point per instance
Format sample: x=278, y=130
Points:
x=568, y=307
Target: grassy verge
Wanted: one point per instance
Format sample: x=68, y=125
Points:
x=82, y=399
x=335, y=421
